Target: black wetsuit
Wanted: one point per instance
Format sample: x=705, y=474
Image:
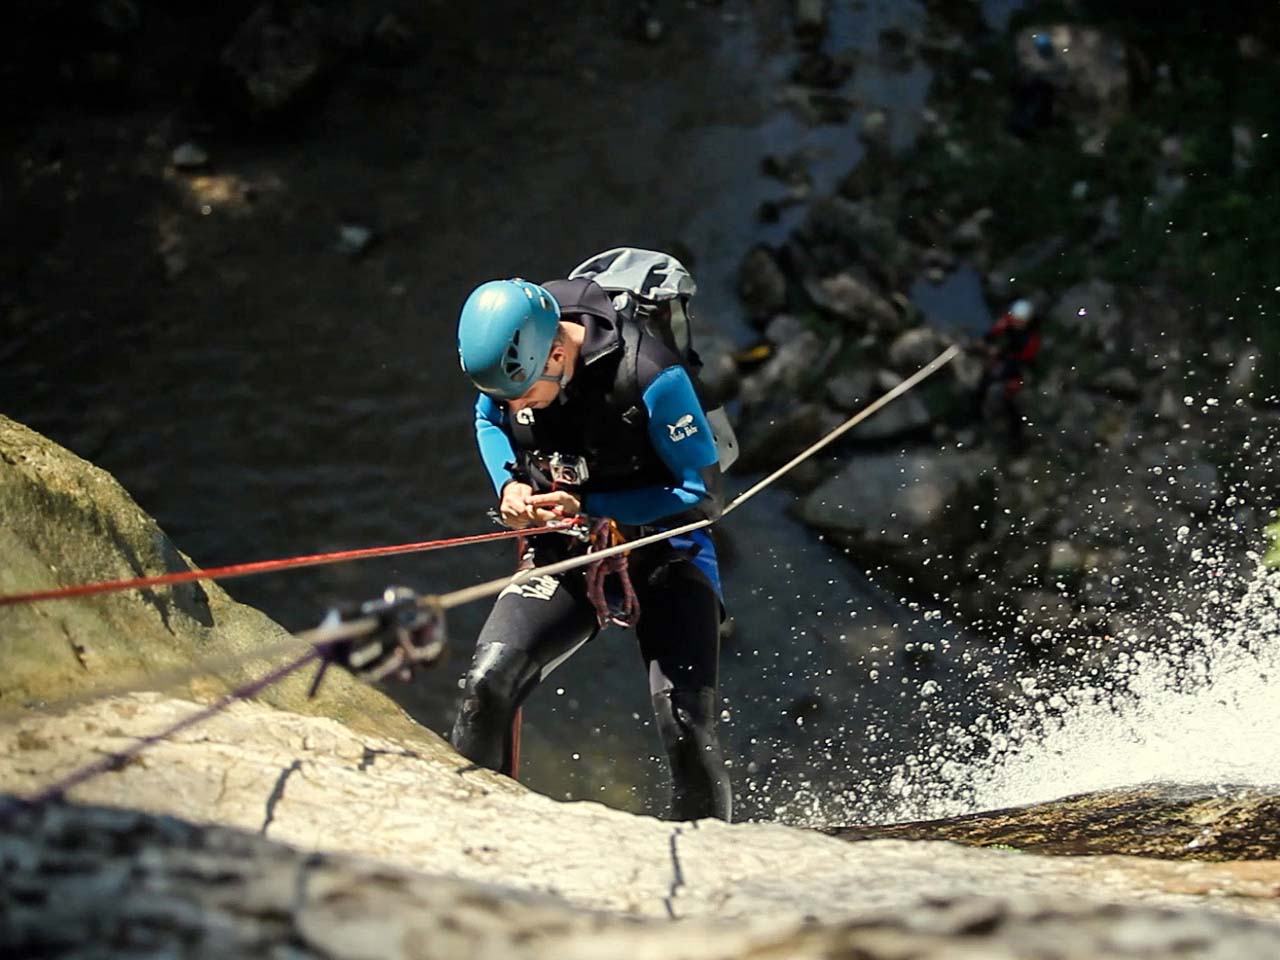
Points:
x=655, y=456
x=536, y=625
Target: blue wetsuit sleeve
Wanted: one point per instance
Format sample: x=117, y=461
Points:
x=495, y=445
x=682, y=438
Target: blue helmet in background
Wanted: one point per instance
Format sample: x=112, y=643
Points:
x=505, y=333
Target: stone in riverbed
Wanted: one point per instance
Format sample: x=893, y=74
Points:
x=874, y=130
x=797, y=363
x=852, y=389
x=1196, y=485
x=889, y=501
x=354, y=239
x=810, y=18
x=1064, y=559
x=768, y=440
x=907, y=414
x=853, y=300
x=1090, y=310
x=913, y=349
x=282, y=51
x=1120, y=382
x=784, y=327
x=1243, y=379
x=762, y=285
x=189, y=156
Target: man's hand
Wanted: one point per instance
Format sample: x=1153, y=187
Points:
x=521, y=507
x=555, y=505
x=515, y=509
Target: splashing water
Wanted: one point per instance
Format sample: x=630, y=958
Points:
x=1206, y=710
x=1202, y=708
x=1198, y=704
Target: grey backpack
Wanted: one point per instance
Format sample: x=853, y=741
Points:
x=655, y=288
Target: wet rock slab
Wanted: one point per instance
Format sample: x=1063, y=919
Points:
x=68, y=522
x=315, y=785
x=90, y=881
x=94, y=881
x=1167, y=821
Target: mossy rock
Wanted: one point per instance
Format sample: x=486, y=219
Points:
x=1272, y=557
x=68, y=522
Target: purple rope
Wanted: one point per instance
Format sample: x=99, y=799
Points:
x=629, y=614
x=114, y=761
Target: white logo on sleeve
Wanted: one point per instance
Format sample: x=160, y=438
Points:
x=684, y=427
x=538, y=588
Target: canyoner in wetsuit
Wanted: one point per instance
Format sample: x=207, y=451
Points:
x=582, y=411
x=1011, y=346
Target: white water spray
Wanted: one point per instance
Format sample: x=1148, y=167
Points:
x=1203, y=708
x=1199, y=704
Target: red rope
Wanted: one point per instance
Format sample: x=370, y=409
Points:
x=267, y=566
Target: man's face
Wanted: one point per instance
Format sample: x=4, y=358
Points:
x=543, y=392
x=540, y=395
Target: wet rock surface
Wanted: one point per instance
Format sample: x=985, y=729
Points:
x=504, y=865
x=1170, y=822
x=895, y=502
x=68, y=522
x=311, y=783
x=92, y=879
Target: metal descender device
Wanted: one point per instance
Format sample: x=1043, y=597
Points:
x=387, y=637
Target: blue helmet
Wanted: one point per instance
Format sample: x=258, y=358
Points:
x=505, y=333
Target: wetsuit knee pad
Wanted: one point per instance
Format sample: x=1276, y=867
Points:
x=497, y=679
x=494, y=687
x=688, y=728
x=685, y=719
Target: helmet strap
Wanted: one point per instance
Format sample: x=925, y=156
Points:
x=562, y=378
x=561, y=381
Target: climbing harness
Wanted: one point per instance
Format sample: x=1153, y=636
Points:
x=402, y=630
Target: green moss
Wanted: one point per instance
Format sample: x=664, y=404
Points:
x=66, y=522
x=1217, y=237
x=1272, y=557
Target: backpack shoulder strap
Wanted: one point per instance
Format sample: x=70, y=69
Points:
x=626, y=395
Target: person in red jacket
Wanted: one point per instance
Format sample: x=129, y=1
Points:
x=1011, y=347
